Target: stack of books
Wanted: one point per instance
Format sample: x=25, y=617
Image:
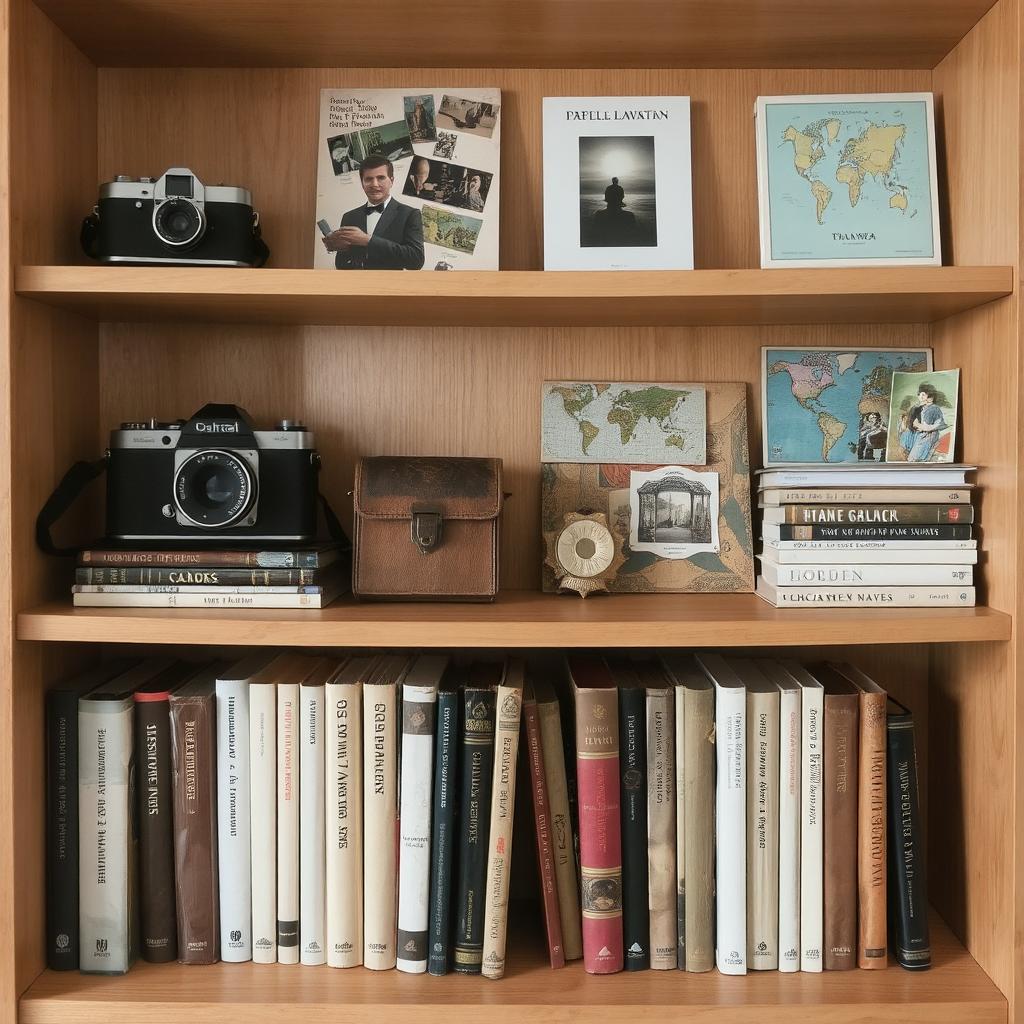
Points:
x=862, y=535
x=308, y=577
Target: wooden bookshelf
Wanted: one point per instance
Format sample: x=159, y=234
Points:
x=512, y=298
x=520, y=619
x=953, y=991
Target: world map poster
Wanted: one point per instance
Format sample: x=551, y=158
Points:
x=824, y=405
x=847, y=180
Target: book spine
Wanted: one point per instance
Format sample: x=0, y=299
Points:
x=812, y=835
x=699, y=828
x=220, y=591
x=661, y=818
x=475, y=801
x=107, y=844
x=380, y=806
x=62, y=830
x=158, y=934
x=542, y=833
x=287, y=823
x=563, y=846
x=680, y=837
x=419, y=713
x=137, y=599
x=194, y=788
x=636, y=927
x=906, y=849
x=173, y=576
x=869, y=515
x=870, y=495
x=503, y=802
x=597, y=770
x=443, y=839
x=233, y=826
x=344, y=825
x=880, y=555
x=887, y=597
x=872, y=950
x=763, y=831
x=840, y=805
x=787, y=531
x=859, y=575
x=312, y=843
x=263, y=819
x=790, y=755
x=201, y=559
x=731, y=831
x=870, y=545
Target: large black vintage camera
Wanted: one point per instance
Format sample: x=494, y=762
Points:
x=174, y=219
x=212, y=477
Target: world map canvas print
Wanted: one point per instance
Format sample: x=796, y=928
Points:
x=831, y=405
x=847, y=180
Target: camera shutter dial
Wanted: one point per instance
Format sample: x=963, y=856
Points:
x=214, y=489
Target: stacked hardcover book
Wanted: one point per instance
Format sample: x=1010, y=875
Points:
x=309, y=577
x=885, y=535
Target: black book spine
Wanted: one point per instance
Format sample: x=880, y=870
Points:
x=159, y=931
x=636, y=917
x=441, y=854
x=475, y=815
x=62, y=830
x=907, y=872
x=788, y=531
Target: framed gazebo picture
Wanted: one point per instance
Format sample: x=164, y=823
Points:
x=673, y=511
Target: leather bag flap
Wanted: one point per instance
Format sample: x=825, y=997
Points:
x=393, y=487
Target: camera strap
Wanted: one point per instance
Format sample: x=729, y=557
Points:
x=90, y=232
x=70, y=487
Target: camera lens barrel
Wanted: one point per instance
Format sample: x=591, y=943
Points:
x=179, y=223
x=214, y=489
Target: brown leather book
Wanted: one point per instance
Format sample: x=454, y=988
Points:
x=840, y=804
x=872, y=949
x=542, y=829
x=193, y=710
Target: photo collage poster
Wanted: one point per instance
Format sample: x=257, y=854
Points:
x=442, y=207
x=617, y=183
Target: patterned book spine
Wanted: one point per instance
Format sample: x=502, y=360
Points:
x=633, y=799
x=542, y=832
x=597, y=757
x=287, y=823
x=661, y=818
x=477, y=778
x=442, y=848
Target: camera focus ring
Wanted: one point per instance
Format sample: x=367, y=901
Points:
x=178, y=222
x=214, y=489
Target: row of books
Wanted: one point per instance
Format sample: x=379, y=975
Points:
x=863, y=535
x=302, y=809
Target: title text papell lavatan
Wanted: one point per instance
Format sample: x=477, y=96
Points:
x=616, y=115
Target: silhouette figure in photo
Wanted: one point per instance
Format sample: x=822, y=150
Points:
x=614, y=225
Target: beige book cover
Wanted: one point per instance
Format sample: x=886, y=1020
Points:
x=503, y=802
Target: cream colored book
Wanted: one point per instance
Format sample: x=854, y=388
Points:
x=503, y=802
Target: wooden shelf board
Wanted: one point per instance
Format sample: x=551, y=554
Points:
x=520, y=619
x=481, y=298
x=954, y=990
x=519, y=33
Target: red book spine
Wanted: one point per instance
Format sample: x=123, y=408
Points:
x=542, y=827
x=597, y=769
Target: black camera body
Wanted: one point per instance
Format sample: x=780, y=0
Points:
x=212, y=478
x=174, y=219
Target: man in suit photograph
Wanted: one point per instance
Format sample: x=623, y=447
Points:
x=383, y=234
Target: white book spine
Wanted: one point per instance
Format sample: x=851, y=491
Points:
x=105, y=874
x=263, y=818
x=811, y=829
x=287, y=823
x=875, y=557
x=790, y=755
x=661, y=828
x=731, y=831
x=312, y=853
x=218, y=600
x=860, y=575
x=380, y=804
x=233, y=828
x=344, y=825
x=419, y=713
x=870, y=597
x=871, y=545
x=188, y=588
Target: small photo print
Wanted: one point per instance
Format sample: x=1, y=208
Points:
x=471, y=116
x=618, y=207
x=922, y=416
x=419, y=118
x=342, y=159
x=673, y=512
x=349, y=151
x=451, y=230
x=450, y=184
x=445, y=148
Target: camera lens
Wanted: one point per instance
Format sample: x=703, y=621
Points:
x=214, y=489
x=179, y=222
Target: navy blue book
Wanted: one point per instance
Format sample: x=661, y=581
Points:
x=442, y=854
